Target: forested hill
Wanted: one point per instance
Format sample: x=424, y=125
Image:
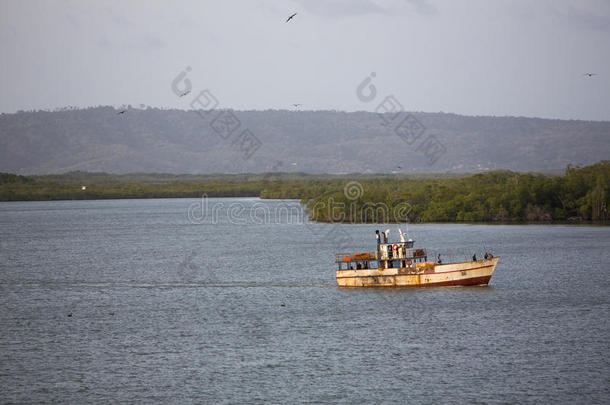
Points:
x=176, y=141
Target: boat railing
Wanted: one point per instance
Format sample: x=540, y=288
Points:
x=348, y=257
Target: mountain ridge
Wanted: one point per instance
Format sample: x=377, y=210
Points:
x=225, y=141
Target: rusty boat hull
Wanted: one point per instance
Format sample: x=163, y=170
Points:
x=477, y=272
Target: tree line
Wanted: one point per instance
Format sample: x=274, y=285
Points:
x=580, y=194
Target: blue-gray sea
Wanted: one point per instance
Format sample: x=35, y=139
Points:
x=235, y=301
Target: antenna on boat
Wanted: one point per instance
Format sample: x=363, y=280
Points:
x=407, y=226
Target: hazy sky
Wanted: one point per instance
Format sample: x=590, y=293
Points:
x=479, y=57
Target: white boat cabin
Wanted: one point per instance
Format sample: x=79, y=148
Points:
x=387, y=256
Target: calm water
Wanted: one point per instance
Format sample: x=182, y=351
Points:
x=171, y=304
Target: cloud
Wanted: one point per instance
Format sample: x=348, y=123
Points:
x=423, y=7
x=598, y=19
x=342, y=8
x=140, y=43
x=117, y=19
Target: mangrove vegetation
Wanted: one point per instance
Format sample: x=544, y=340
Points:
x=579, y=194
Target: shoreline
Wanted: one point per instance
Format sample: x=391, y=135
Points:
x=580, y=196
x=303, y=206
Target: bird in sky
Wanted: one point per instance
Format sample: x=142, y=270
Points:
x=291, y=17
x=589, y=74
x=297, y=105
x=122, y=112
x=185, y=93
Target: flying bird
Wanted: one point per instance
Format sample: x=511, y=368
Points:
x=589, y=74
x=296, y=105
x=291, y=17
x=185, y=93
x=121, y=112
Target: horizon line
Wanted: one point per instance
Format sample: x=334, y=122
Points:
x=148, y=107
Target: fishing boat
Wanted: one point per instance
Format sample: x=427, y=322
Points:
x=399, y=264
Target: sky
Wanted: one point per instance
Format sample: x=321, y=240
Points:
x=470, y=57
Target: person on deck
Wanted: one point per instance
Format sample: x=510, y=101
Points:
x=474, y=257
x=378, y=242
x=438, y=259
